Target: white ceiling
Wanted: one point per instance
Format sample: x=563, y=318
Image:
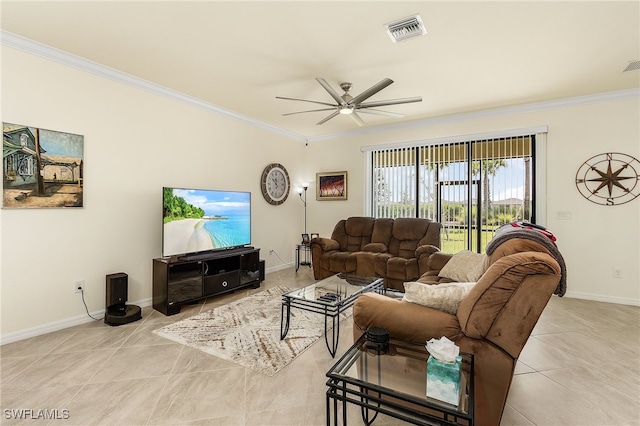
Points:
x=240, y=55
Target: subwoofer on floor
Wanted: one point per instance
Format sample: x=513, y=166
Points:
x=117, y=312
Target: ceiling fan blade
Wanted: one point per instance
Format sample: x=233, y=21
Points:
x=329, y=117
x=371, y=91
x=380, y=112
x=390, y=102
x=331, y=91
x=310, y=110
x=355, y=117
x=305, y=100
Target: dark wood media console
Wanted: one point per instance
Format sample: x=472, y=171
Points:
x=182, y=280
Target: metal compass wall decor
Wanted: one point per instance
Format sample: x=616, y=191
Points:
x=609, y=179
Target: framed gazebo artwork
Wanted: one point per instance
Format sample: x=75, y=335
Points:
x=331, y=186
x=42, y=168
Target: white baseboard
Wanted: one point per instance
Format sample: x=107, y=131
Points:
x=60, y=325
x=600, y=298
x=84, y=318
x=279, y=268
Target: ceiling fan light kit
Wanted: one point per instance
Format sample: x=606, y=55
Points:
x=347, y=105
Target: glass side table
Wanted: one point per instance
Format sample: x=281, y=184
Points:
x=303, y=256
x=393, y=382
x=329, y=297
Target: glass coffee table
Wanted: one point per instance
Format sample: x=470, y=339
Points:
x=330, y=297
x=392, y=381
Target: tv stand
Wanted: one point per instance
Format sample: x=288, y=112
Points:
x=182, y=280
x=208, y=254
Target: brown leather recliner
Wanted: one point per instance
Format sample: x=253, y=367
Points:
x=394, y=249
x=493, y=321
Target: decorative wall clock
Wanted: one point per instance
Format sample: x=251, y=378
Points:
x=609, y=179
x=275, y=184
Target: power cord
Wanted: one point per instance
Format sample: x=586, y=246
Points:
x=277, y=255
x=86, y=308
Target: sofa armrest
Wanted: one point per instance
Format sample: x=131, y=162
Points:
x=404, y=320
x=426, y=250
x=437, y=261
x=325, y=244
x=376, y=248
x=423, y=253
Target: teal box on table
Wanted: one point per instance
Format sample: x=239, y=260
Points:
x=443, y=380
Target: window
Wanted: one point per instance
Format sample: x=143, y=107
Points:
x=470, y=186
x=25, y=165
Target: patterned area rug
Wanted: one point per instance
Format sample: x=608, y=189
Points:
x=247, y=331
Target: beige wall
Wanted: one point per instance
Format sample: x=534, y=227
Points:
x=136, y=142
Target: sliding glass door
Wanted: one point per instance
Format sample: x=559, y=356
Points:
x=470, y=187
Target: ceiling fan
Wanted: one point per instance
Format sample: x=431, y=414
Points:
x=348, y=105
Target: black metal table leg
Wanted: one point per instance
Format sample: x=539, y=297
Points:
x=335, y=332
x=284, y=326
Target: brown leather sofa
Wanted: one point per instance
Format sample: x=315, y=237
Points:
x=394, y=249
x=493, y=321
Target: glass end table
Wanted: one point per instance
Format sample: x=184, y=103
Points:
x=305, y=259
x=329, y=297
x=393, y=382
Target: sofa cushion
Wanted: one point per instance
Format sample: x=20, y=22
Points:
x=382, y=230
x=358, y=232
x=342, y=261
x=443, y=297
x=465, y=266
x=402, y=269
x=406, y=236
x=376, y=248
x=364, y=263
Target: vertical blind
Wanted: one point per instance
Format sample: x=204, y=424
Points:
x=470, y=187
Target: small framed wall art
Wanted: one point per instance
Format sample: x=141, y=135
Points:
x=331, y=186
x=42, y=168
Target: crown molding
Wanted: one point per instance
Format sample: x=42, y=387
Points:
x=515, y=109
x=44, y=51
x=56, y=55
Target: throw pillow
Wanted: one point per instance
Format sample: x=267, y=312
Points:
x=465, y=266
x=443, y=297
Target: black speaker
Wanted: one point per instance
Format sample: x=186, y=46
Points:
x=117, y=312
x=117, y=289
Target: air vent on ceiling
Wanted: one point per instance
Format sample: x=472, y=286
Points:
x=406, y=28
x=633, y=66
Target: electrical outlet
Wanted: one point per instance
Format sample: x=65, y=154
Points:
x=616, y=273
x=564, y=215
x=78, y=286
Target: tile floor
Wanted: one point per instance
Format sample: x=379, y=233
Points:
x=580, y=367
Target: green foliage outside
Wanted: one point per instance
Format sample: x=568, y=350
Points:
x=176, y=208
x=455, y=212
x=455, y=240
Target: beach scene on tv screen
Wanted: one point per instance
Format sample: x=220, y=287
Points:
x=200, y=220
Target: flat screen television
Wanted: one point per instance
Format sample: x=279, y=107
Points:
x=201, y=220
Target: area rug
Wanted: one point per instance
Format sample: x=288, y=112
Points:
x=247, y=331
